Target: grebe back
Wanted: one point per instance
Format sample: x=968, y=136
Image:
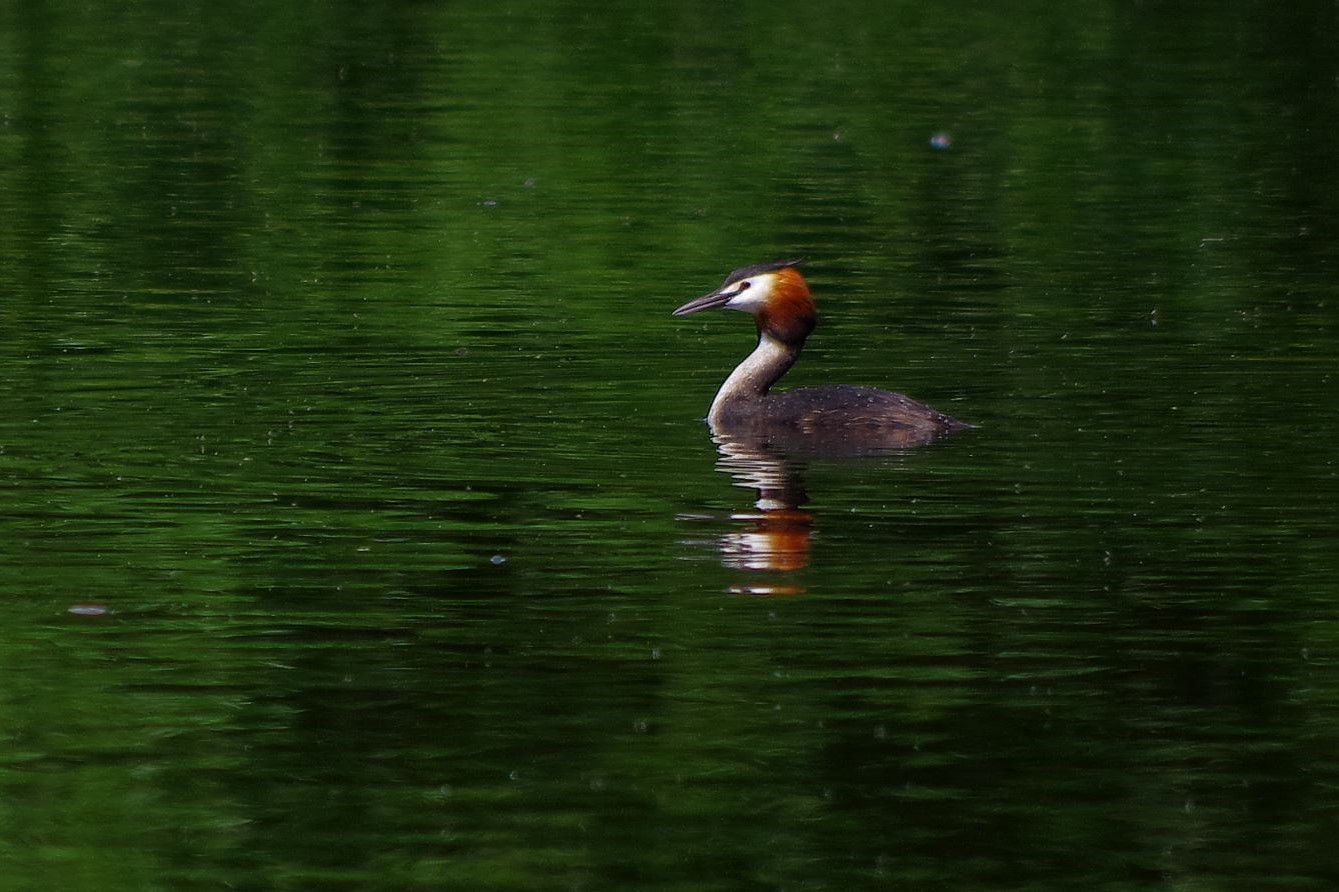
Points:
x=778, y=298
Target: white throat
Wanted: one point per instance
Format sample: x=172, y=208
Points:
x=751, y=378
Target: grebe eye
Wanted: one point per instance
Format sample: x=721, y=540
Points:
x=745, y=285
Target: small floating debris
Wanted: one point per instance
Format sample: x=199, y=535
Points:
x=498, y=560
x=88, y=610
x=941, y=141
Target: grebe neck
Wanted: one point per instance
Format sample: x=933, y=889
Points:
x=752, y=378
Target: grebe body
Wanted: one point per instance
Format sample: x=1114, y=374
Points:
x=778, y=298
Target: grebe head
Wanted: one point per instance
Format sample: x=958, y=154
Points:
x=774, y=293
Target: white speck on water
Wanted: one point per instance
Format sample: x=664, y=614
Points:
x=87, y=610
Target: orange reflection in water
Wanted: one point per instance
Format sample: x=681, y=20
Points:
x=775, y=536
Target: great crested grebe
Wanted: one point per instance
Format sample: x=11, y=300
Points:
x=779, y=300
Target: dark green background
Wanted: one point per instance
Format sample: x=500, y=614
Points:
x=338, y=365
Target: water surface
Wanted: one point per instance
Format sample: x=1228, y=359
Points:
x=345, y=409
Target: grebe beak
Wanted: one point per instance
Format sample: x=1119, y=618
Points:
x=706, y=302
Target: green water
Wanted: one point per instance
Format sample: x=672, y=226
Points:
x=340, y=381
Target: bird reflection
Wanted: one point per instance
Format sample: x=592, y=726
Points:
x=775, y=536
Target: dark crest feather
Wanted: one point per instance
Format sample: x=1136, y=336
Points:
x=745, y=271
